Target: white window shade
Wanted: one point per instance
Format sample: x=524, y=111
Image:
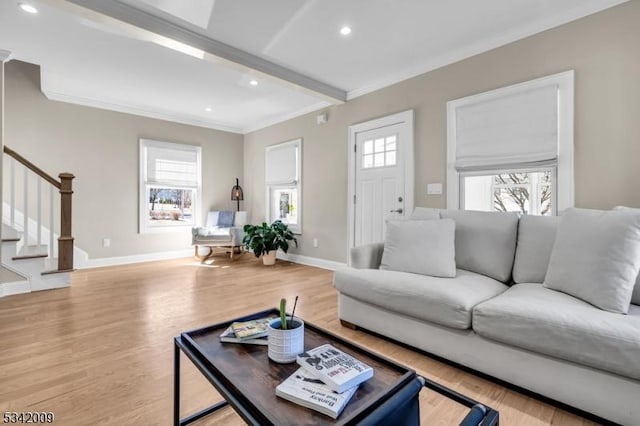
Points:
x=172, y=167
x=515, y=129
x=282, y=164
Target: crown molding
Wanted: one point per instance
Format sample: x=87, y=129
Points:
x=5, y=55
x=285, y=117
x=485, y=45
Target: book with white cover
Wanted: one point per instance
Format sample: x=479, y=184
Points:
x=306, y=390
x=335, y=368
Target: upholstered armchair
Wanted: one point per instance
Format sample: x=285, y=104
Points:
x=223, y=230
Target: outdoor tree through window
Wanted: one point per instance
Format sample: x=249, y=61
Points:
x=169, y=185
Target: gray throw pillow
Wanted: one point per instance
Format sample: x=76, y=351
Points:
x=225, y=218
x=596, y=257
x=536, y=235
x=423, y=247
x=485, y=241
x=635, y=298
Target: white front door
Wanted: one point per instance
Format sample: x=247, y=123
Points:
x=380, y=170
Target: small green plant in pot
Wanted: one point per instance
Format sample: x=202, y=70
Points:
x=265, y=240
x=286, y=335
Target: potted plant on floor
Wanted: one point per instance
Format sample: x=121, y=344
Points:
x=265, y=240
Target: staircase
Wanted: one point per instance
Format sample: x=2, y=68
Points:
x=37, y=246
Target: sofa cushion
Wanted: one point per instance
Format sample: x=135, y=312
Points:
x=536, y=318
x=635, y=297
x=445, y=301
x=596, y=257
x=536, y=235
x=485, y=241
x=420, y=247
x=425, y=213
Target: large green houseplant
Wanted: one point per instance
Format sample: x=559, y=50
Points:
x=265, y=240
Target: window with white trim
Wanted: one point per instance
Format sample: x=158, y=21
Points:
x=169, y=185
x=511, y=149
x=379, y=152
x=283, y=171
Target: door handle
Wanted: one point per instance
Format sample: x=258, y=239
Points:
x=396, y=211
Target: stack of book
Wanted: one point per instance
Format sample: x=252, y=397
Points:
x=254, y=332
x=326, y=380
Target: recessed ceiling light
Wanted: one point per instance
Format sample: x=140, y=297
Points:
x=27, y=8
x=208, y=109
x=253, y=82
x=346, y=30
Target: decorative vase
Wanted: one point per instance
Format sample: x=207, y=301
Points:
x=285, y=345
x=269, y=258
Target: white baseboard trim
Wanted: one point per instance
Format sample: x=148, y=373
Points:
x=19, y=287
x=136, y=258
x=311, y=261
x=177, y=254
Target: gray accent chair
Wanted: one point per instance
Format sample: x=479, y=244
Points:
x=212, y=236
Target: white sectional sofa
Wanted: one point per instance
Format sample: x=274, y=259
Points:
x=498, y=318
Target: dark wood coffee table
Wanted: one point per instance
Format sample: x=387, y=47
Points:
x=246, y=379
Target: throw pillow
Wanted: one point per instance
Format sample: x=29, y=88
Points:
x=421, y=247
x=596, y=257
x=485, y=241
x=635, y=297
x=225, y=219
x=536, y=236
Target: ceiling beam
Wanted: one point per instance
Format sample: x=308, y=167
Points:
x=145, y=21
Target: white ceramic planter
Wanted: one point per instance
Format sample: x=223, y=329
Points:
x=285, y=345
x=269, y=258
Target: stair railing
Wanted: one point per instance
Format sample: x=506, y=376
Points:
x=64, y=187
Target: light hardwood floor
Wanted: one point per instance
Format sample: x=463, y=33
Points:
x=100, y=352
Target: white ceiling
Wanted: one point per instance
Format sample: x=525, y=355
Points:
x=99, y=63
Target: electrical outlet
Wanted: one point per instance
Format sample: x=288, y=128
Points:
x=434, y=189
x=315, y=242
x=106, y=242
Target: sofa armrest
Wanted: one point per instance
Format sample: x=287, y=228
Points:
x=367, y=256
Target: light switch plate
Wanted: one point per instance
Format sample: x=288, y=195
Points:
x=434, y=189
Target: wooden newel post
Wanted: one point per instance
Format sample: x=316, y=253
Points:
x=65, y=241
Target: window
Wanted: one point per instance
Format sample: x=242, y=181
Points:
x=169, y=185
x=525, y=192
x=283, y=183
x=511, y=149
x=379, y=152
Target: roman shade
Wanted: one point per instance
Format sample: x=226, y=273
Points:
x=171, y=165
x=282, y=164
x=516, y=128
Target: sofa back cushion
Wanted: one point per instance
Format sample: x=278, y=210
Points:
x=635, y=298
x=596, y=257
x=425, y=213
x=536, y=235
x=423, y=247
x=485, y=242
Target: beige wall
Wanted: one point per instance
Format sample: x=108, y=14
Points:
x=101, y=149
x=603, y=49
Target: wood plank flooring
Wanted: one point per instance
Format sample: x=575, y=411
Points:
x=100, y=352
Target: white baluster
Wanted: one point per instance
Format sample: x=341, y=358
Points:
x=51, y=222
x=39, y=212
x=12, y=192
x=25, y=210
